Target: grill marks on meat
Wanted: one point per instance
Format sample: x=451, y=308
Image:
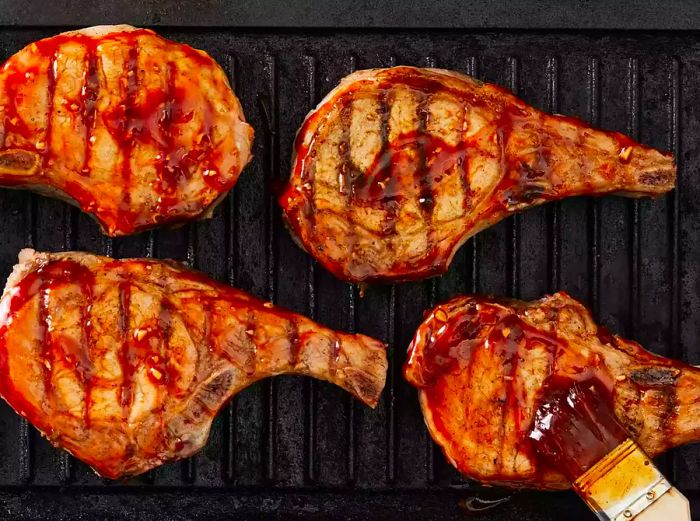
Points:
x=481, y=367
x=136, y=130
x=126, y=363
x=397, y=168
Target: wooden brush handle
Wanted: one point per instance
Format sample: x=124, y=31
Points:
x=671, y=506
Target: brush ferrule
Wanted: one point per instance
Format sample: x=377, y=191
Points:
x=622, y=484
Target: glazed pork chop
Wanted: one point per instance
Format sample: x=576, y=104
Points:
x=397, y=168
x=125, y=363
x=482, y=367
x=136, y=130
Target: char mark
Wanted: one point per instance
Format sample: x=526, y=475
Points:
x=424, y=179
x=294, y=342
x=655, y=377
x=347, y=173
x=45, y=340
x=663, y=380
x=19, y=160
x=213, y=393
x=657, y=177
x=84, y=364
x=391, y=204
x=464, y=177
x=129, y=103
x=90, y=93
x=51, y=89
x=124, y=352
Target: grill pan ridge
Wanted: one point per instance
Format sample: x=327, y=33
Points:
x=295, y=448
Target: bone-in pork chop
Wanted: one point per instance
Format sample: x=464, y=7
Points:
x=482, y=366
x=125, y=363
x=136, y=130
x=397, y=168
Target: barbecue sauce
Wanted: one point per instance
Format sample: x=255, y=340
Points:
x=450, y=339
x=377, y=188
x=152, y=119
x=575, y=425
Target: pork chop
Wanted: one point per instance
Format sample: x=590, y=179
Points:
x=397, y=168
x=136, y=130
x=483, y=366
x=125, y=363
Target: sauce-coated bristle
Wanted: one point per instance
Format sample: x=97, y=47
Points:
x=575, y=426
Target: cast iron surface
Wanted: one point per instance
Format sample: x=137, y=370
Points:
x=294, y=448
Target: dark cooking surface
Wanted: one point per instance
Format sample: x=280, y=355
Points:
x=292, y=447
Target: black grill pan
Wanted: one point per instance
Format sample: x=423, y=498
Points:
x=293, y=448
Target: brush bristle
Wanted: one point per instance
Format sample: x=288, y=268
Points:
x=575, y=426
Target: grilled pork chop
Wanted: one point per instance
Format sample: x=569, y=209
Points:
x=397, y=168
x=136, y=130
x=483, y=366
x=126, y=363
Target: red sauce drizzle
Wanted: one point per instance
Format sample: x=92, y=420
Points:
x=51, y=89
x=162, y=364
x=380, y=187
x=89, y=95
x=47, y=348
x=448, y=343
x=167, y=174
x=145, y=346
x=298, y=202
x=129, y=124
x=56, y=350
x=119, y=124
x=450, y=339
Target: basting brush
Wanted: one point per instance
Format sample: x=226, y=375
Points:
x=576, y=432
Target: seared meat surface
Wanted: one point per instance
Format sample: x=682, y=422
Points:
x=397, y=168
x=125, y=363
x=482, y=367
x=136, y=130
